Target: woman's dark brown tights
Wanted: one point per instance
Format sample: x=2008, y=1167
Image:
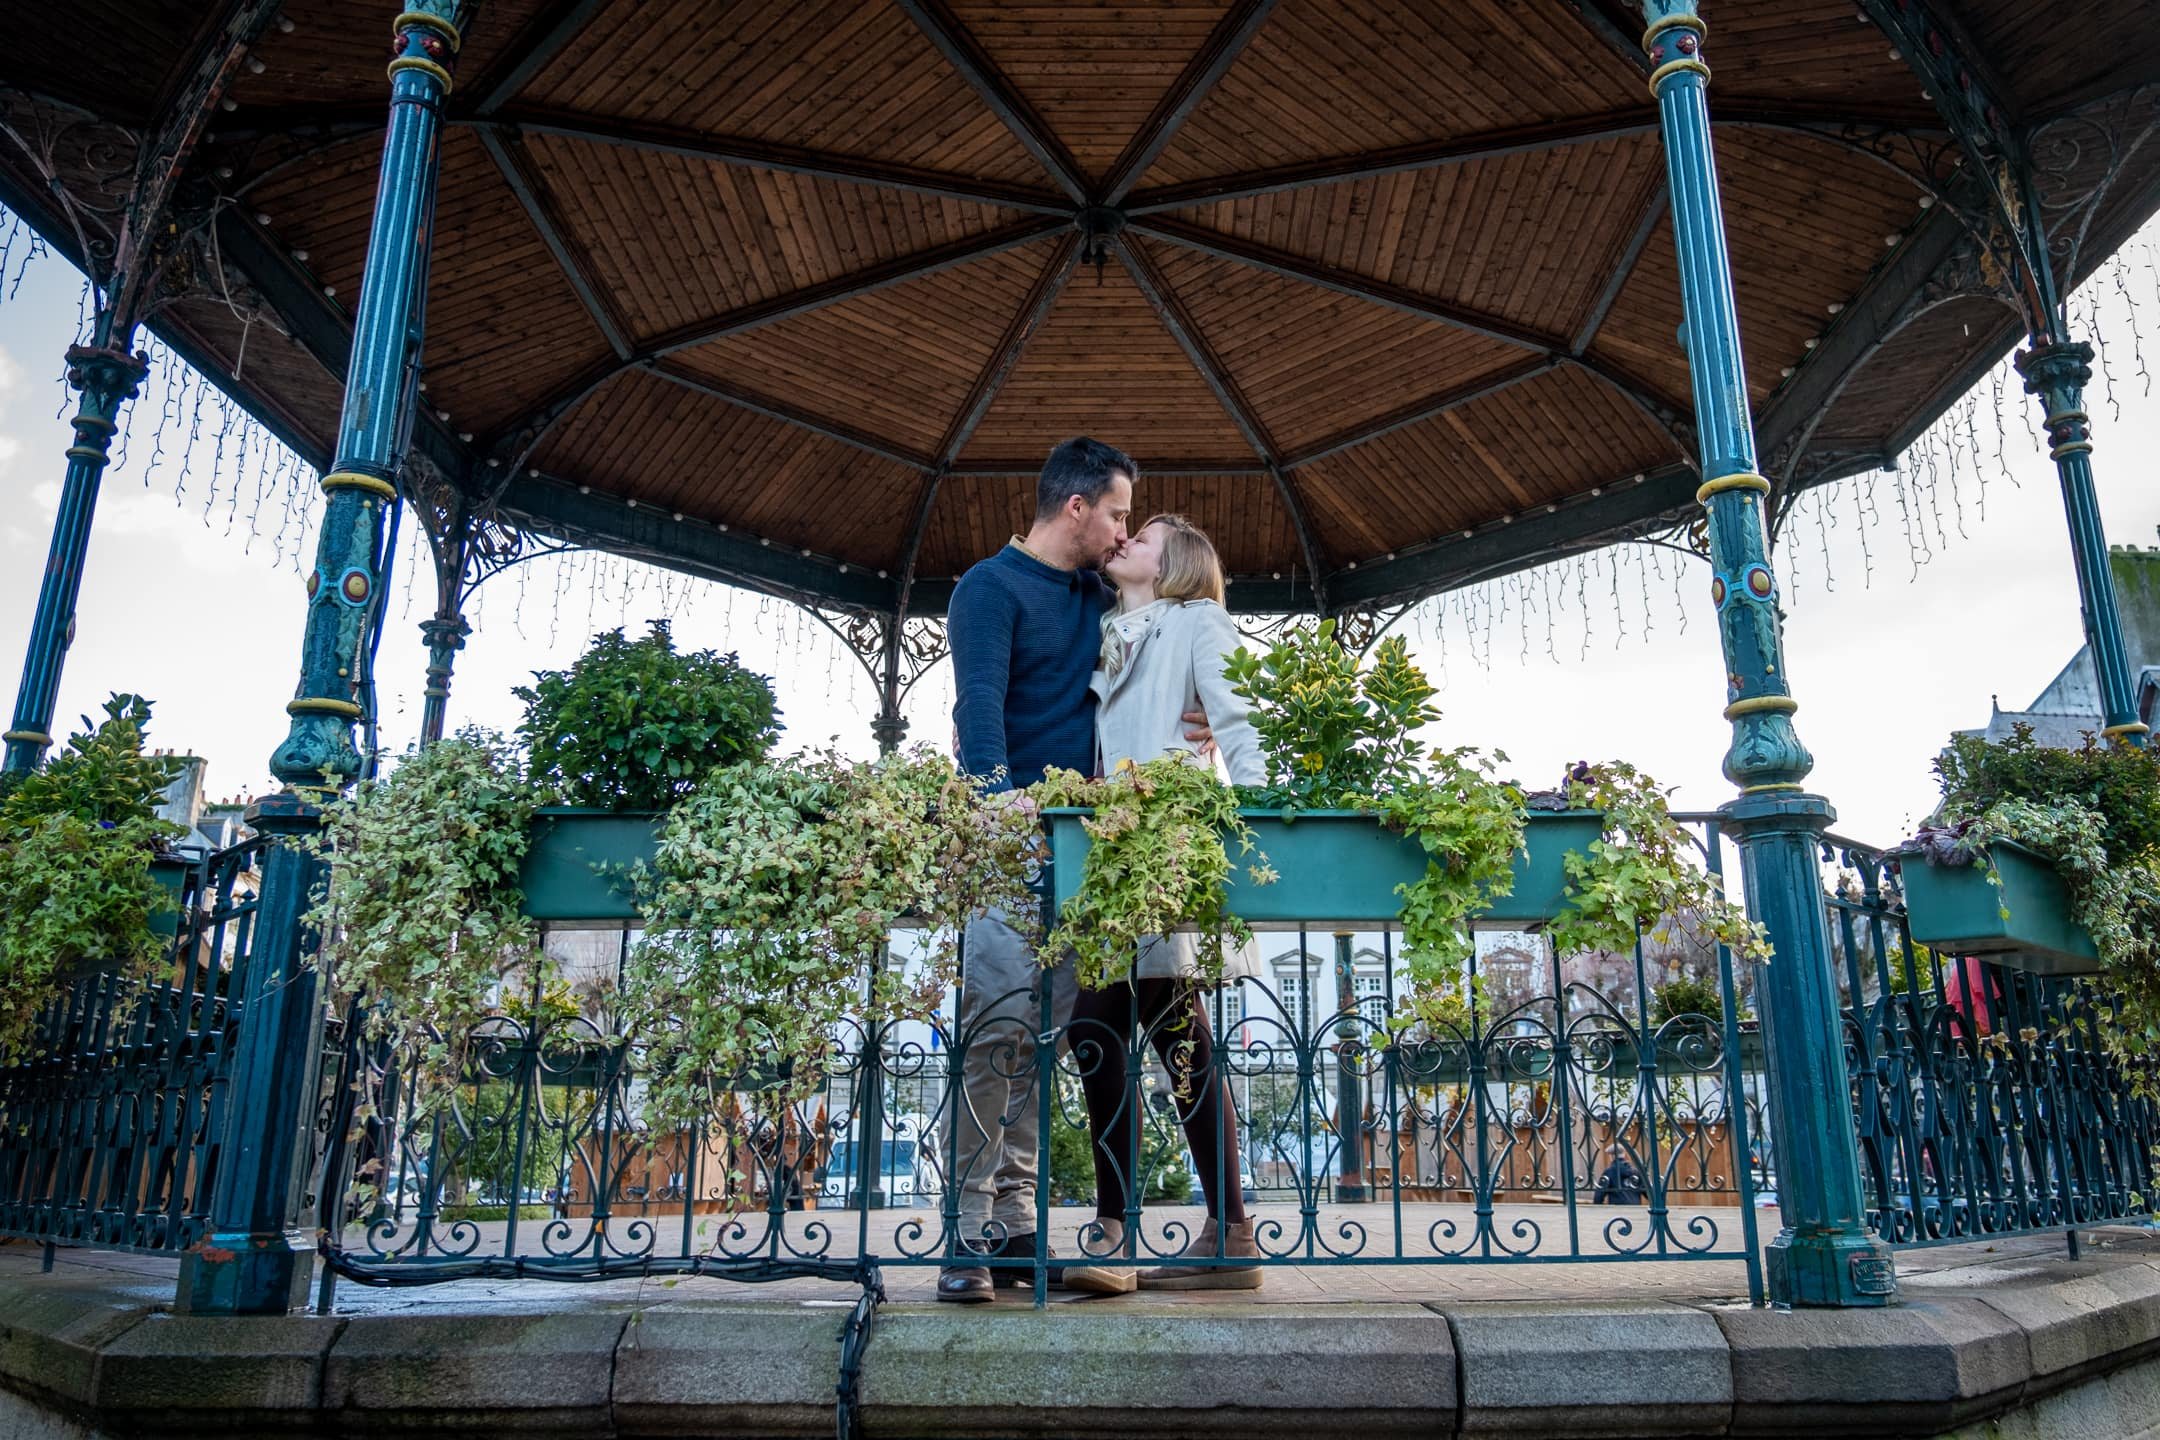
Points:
x=1103, y=1026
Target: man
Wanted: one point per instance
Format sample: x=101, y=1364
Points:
x=1025, y=627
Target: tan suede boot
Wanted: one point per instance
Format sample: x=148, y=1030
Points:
x=1106, y=1236
x=1238, y=1244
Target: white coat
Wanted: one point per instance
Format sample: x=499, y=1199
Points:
x=1176, y=665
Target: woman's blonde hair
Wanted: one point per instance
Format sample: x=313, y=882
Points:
x=1191, y=570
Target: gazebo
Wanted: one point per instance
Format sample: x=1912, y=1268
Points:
x=1388, y=296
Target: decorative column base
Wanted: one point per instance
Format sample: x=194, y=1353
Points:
x=1825, y=1255
x=255, y=1261
x=1830, y=1269
x=246, y=1274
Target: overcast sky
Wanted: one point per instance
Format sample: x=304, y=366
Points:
x=1912, y=600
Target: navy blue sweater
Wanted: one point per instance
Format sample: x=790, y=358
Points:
x=1024, y=639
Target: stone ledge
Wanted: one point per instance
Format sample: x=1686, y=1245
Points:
x=1913, y=1369
x=1131, y=1369
x=1993, y=1342
x=51, y=1337
x=240, y=1368
x=526, y=1371
x=1601, y=1368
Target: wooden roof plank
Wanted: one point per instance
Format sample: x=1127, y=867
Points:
x=960, y=49
x=534, y=47
x=1232, y=33
x=539, y=206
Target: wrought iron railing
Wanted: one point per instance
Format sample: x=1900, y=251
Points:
x=112, y=1119
x=1986, y=1099
x=1554, y=1123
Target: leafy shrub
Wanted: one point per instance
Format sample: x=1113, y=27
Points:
x=1158, y=860
x=421, y=910
x=1341, y=734
x=773, y=887
x=1685, y=995
x=635, y=724
x=2119, y=783
x=76, y=840
x=2094, y=812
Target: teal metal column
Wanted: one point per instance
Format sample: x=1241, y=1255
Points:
x=1825, y=1254
x=318, y=752
x=254, y=1261
x=108, y=376
x=445, y=636
x=2057, y=371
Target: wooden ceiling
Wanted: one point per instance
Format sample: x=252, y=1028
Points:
x=1380, y=292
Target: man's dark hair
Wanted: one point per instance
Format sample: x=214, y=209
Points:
x=1082, y=467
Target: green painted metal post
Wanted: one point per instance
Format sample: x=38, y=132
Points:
x=445, y=636
x=108, y=376
x=253, y=1262
x=2057, y=371
x=1825, y=1254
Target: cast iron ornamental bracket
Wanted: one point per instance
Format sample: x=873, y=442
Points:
x=1982, y=114
x=108, y=371
x=1825, y=1254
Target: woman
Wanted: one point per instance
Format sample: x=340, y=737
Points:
x=1162, y=655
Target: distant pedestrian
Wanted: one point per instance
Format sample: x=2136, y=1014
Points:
x=1621, y=1184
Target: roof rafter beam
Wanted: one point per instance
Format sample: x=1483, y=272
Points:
x=775, y=155
x=1312, y=272
x=1668, y=416
x=1041, y=296
x=191, y=98
x=343, y=123
x=966, y=55
x=1170, y=310
x=1612, y=32
x=1232, y=33
x=1430, y=408
x=516, y=442
x=788, y=415
x=538, y=203
x=1820, y=123
x=1638, y=240
x=540, y=41
x=1659, y=411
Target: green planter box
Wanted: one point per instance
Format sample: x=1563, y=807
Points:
x=1339, y=867
x=171, y=876
x=1958, y=910
x=563, y=879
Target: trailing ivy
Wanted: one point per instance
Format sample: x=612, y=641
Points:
x=770, y=897
x=2094, y=814
x=1338, y=735
x=1640, y=874
x=420, y=911
x=76, y=841
x=1158, y=861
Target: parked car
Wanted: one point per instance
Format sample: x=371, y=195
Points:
x=905, y=1177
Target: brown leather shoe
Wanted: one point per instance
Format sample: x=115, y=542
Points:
x=965, y=1285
